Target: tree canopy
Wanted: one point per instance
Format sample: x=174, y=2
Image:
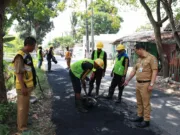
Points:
x=106, y=18
x=34, y=17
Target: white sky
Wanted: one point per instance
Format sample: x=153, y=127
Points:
x=132, y=20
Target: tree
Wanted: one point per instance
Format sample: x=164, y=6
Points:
x=106, y=18
x=146, y=27
x=3, y=96
x=63, y=42
x=34, y=16
x=167, y=5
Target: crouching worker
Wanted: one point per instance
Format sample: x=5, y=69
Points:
x=78, y=73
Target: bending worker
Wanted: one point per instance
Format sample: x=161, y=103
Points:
x=99, y=73
x=119, y=73
x=78, y=72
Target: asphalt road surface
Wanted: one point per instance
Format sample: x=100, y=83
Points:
x=100, y=120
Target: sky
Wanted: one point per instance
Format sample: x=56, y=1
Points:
x=132, y=20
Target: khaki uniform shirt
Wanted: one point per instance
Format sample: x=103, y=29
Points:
x=145, y=66
x=19, y=64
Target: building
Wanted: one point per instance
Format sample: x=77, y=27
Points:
x=106, y=39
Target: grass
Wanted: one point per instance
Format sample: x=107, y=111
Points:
x=8, y=112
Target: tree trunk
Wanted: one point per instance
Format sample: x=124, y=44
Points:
x=169, y=12
x=3, y=96
x=163, y=56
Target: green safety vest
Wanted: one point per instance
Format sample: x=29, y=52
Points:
x=118, y=67
x=101, y=56
x=76, y=67
x=39, y=55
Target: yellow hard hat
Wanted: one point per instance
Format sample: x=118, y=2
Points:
x=120, y=47
x=51, y=46
x=99, y=62
x=99, y=45
x=39, y=46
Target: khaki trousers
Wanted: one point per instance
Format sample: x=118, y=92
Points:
x=22, y=109
x=143, y=100
x=68, y=60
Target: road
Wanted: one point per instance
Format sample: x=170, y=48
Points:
x=104, y=119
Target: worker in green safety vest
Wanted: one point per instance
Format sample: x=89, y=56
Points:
x=98, y=74
x=40, y=56
x=119, y=72
x=78, y=73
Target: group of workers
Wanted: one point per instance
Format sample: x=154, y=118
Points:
x=145, y=70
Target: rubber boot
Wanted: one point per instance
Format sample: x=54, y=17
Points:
x=119, y=97
x=90, y=90
x=80, y=106
x=97, y=92
x=110, y=94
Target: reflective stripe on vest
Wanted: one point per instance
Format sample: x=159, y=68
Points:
x=118, y=67
x=101, y=56
x=28, y=75
x=76, y=67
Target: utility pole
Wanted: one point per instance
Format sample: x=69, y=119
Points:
x=92, y=27
x=87, y=34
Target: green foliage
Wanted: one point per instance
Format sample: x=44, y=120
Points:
x=66, y=41
x=7, y=112
x=43, y=82
x=9, y=76
x=34, y=16
x=106, y=18
x=146, y=27
x=4, y=129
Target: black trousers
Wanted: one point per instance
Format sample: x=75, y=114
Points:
x=49, y=64
x=76, y=83
x=97, y=77
x=116, y=81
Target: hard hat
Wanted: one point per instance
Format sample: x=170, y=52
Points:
x=99, y=45
x=39, y=46
x=99, y=62
x=120, y=47
x=51, y=46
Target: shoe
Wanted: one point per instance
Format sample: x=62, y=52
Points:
x=108, y=97
x=80, y=106
x=97, y=96
x=137, y=119
x=143, y=124
x=118, y=101
x=82, y=109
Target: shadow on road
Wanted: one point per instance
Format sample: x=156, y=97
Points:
x=100, y=120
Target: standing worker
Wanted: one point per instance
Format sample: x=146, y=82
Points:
x=119, y=73
x=50, y=54
x=99, y=73
x=25, y=80
x=40, y=56
x=78, y=72
x=68, y=57
x=146, y=70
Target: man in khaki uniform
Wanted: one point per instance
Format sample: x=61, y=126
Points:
x=145, y=70
x=25, y=82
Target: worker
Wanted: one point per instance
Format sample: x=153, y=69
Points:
x=50, y=55
x=78, y=73
x=68, y=57
x=99, y=73
x=40, y=56
x=25, y=81
x=119, y=73
x=146, y=70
